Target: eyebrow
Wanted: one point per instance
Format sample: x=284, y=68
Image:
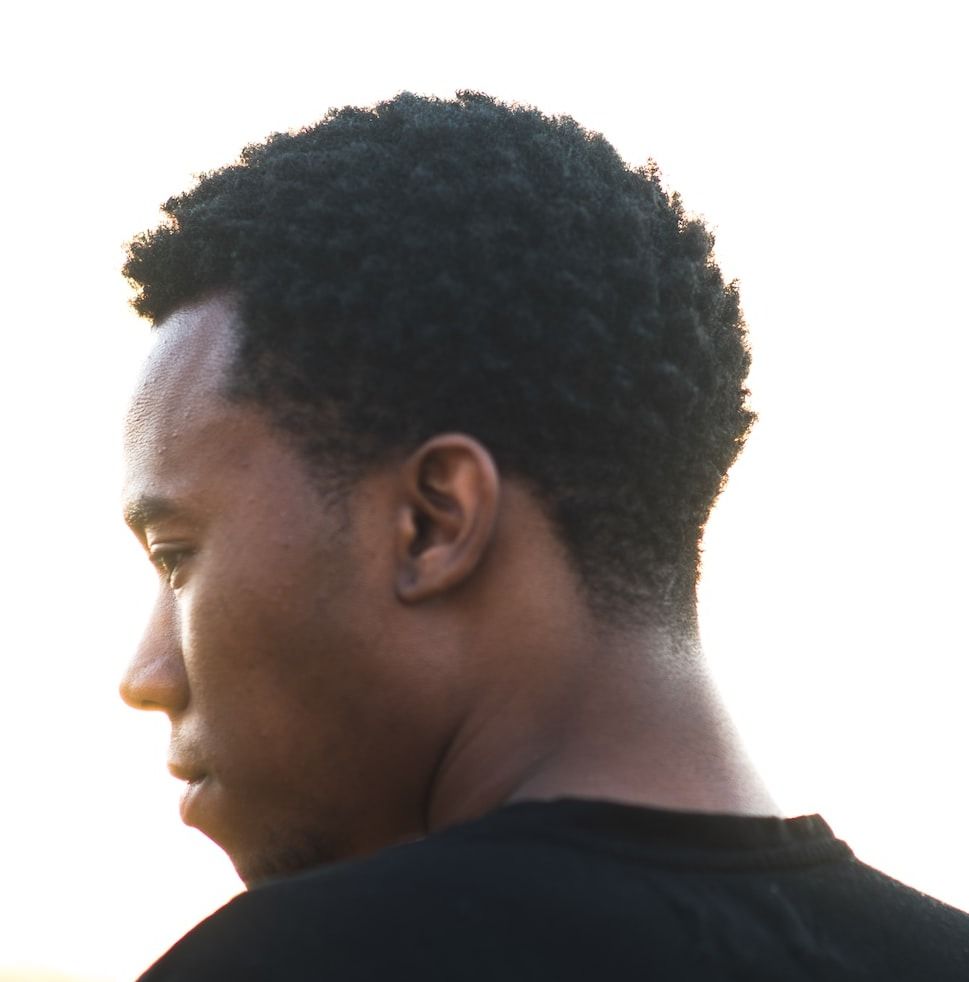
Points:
x=146, y=509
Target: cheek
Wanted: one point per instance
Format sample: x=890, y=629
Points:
x=273, y=668
x=300, y=676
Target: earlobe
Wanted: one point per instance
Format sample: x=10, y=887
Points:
x=447, y=515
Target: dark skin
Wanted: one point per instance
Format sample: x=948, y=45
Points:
x=345, y=673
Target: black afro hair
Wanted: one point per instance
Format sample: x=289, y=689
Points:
x=430, y=265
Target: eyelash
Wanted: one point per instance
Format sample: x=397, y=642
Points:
x=167, y=562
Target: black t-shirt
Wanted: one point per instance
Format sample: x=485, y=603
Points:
x=587, y=890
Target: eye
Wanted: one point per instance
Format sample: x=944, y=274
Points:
x=167, y=560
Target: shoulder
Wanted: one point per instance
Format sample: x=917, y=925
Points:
x=398, y=910
x=472, y=904
x=488, y=902
x=867, y=894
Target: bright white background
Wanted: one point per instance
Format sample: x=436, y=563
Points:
x=825, y=144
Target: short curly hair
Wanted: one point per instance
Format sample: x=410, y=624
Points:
x=429, y=265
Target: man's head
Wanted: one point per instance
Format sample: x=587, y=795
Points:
x=428, y=265
x=320, y=654
x=436, y=387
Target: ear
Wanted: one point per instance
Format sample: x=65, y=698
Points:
x=447, y=515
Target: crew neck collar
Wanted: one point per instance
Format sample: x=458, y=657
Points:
x=675, y=837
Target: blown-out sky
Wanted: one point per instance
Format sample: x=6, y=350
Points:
x=824, y=142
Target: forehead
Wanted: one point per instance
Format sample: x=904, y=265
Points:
x=177, y=412
x=187, y=363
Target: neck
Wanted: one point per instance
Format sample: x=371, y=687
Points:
x=625, y=716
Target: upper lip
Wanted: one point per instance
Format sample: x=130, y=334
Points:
x=185, y=771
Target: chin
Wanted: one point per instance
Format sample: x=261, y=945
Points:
x=284, y=859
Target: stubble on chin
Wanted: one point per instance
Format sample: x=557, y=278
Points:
x=283, y=859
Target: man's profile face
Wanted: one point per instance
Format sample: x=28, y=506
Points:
x=303, y=720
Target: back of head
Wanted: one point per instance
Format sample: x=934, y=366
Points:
x=430, y=265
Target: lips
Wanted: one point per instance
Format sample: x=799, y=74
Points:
x=185, y=771
x=194, y=778
x=190, y=805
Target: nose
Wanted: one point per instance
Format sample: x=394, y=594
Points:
x=155, y=678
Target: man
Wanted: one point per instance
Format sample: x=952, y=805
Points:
x=441, y=398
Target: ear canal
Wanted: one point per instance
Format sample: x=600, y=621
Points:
x=421, y=534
